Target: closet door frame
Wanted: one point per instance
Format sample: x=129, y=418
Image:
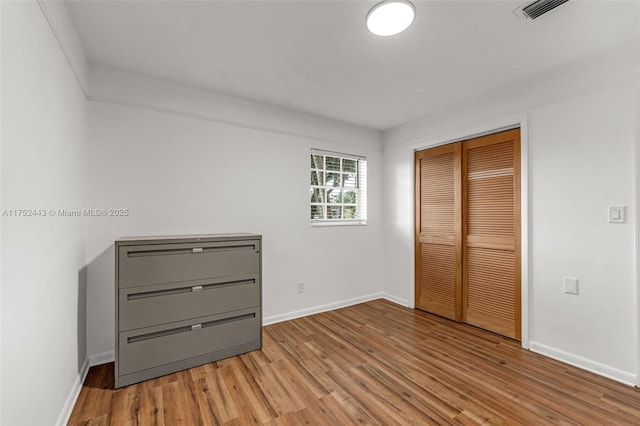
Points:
x=484, y=128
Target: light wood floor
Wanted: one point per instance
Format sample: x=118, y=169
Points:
x=373, y=363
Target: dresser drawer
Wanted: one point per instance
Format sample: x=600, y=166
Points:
x=155, y=346
x=140, y=265
x=164, y=303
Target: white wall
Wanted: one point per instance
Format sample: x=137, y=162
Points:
x=194, y=173
x=44, y=120
x=581, y=159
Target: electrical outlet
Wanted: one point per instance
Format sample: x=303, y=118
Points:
x=300, y=286
x=570, y=285
x=616, y=214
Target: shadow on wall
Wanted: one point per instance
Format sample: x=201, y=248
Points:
x=82, y=317
x=100, y=306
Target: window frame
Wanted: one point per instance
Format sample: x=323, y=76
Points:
x=360, y=188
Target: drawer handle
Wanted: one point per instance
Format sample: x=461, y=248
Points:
x=230, y=319
x=164, y=333
x=155, y=335
x=174, y=291
x=157, y=293
x=177, y=251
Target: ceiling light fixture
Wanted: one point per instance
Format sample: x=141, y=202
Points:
x=390, y=17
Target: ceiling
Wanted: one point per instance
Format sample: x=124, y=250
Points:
x=317, y=56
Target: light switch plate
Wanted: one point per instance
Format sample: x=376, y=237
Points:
x=570, y=285
x=616, y=214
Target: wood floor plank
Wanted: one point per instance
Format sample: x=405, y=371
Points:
x=219, y=398
x=250, y=407
x=151, y=411
x=375, y=363
x=172, y=412
x=124, y=406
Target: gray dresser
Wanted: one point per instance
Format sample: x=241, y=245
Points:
x=183, y=301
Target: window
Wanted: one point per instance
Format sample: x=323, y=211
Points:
x=338, y=188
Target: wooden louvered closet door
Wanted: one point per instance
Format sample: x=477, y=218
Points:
x=491, y=194
x=438, y=242
x=468, y=232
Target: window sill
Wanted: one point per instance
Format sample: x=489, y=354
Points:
x=337, y=223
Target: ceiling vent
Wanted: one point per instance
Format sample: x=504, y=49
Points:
x=534, y=10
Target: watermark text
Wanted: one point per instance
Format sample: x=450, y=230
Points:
x=108, y=212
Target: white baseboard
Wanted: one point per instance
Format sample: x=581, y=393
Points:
x=395, y=299
x=584, y=363
x=322, y=308
x=102, y=358
x=67, y=408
